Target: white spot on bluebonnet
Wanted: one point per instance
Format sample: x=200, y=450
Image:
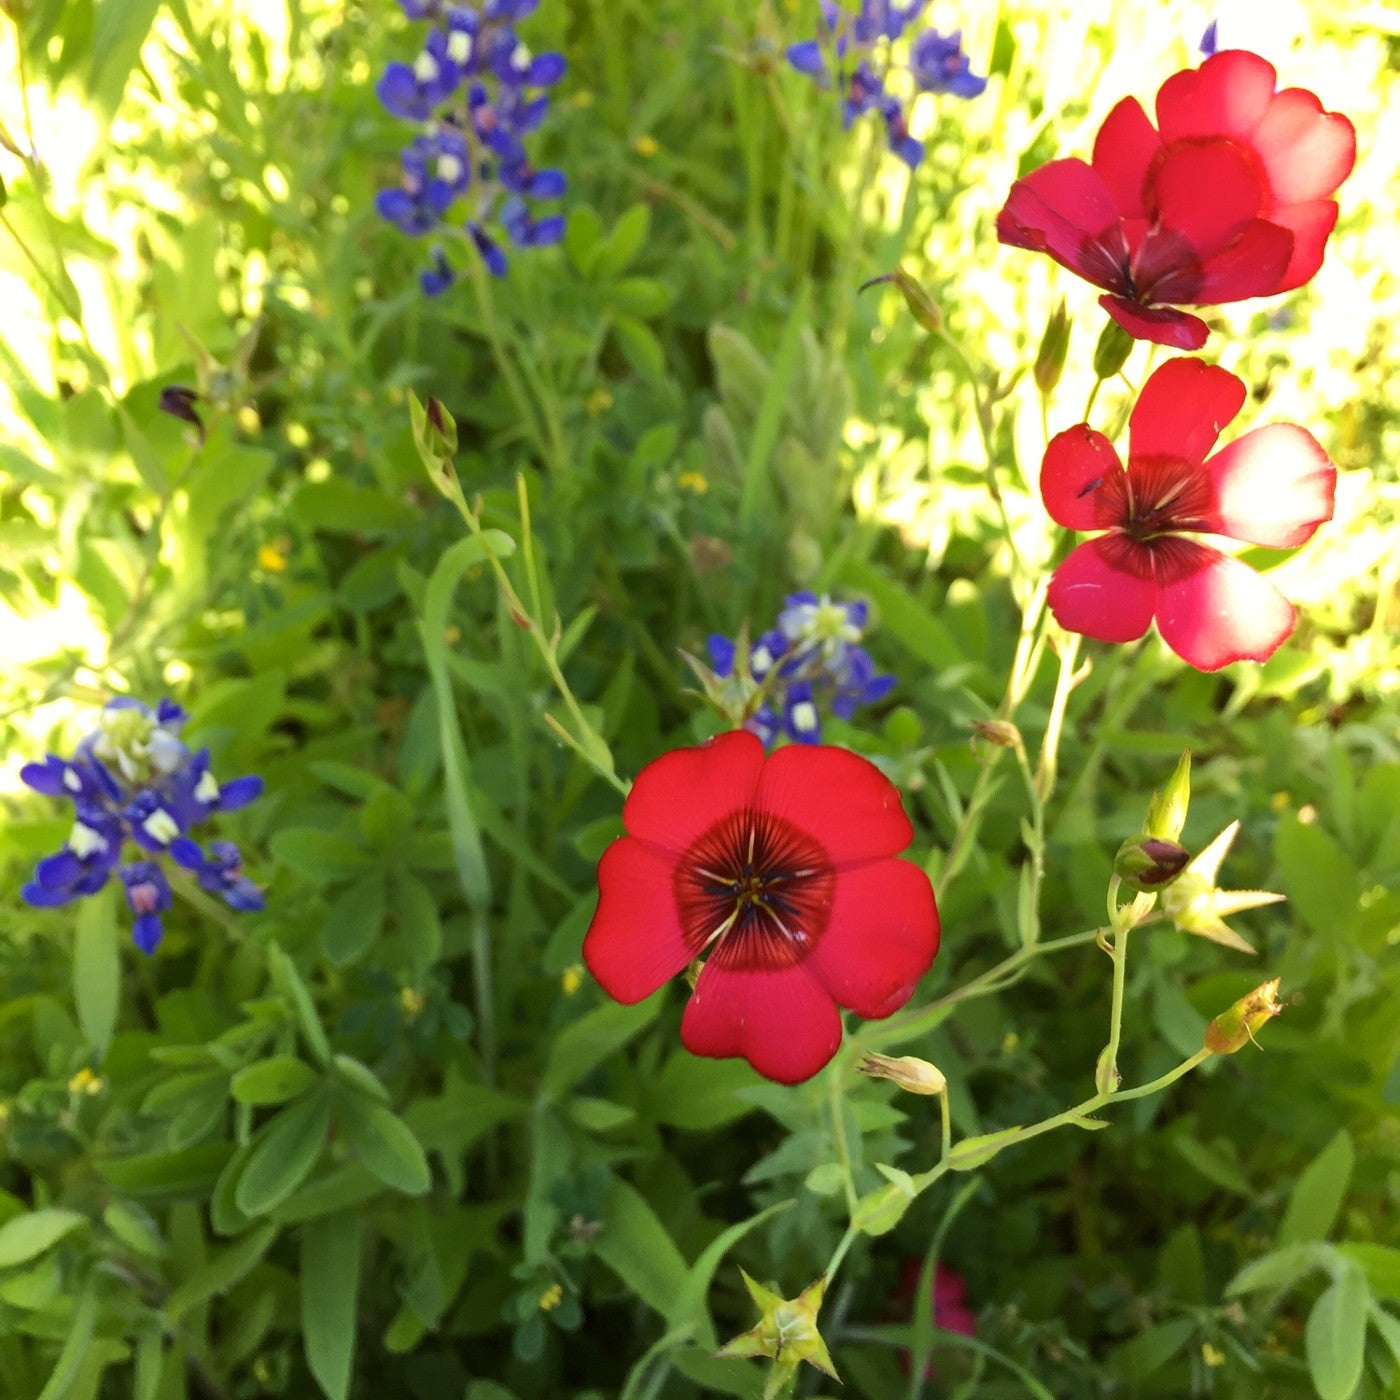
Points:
x=72, y=781
x=206, y=790
x=83, y=841
x=425, y=68
x=161, y=827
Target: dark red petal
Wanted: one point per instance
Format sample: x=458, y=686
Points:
x=1254, y=265
x=1066, y=210
x=1181, y=410
x=1311, y=225
x=1075, y=464
x=1093, y=594
x=1204, y=192
x=1220, y=611
x=841, y=800
x=1227, y=95
x=880, y=938
x=783, y=1023
x=635, y=942
x=685, y=792
x=1159, y=324
x=1273, y=486
x=1305, y=151
x=1124, y=150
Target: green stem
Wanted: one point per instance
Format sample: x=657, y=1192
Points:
x=1048, y=765
x=835, y=1102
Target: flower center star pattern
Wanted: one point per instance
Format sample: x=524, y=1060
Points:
x=782, y=872
x=1226, y=198
x=1273, y=486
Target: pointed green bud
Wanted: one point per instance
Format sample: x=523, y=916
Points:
x=786, y=1331
x=1147, y=863
x=922, y=306
x=1231, y=1029
x=1166, y=812
x=435, y=437
x=1195, y=904
x=1054, y=348
x=1112, y=351
x=912, y=1074
x=999, y=732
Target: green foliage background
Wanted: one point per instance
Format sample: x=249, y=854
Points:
x=353, y=1145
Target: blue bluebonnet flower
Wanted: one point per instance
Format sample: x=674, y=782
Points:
x=810, y=661
x=1209, y=40
x=476, y=89
x=849, y=45
x=134, y=779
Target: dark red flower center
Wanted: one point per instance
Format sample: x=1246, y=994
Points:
x=754, y=892
x=1156, y=497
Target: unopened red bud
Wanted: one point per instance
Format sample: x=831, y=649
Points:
x=1148, y=863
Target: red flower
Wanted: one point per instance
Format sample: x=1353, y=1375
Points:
x=782, y=869
x=950, y=1310
x=1228, y=200
x=1274, y=486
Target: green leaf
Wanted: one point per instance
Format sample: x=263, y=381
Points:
x=321, y=856
x=330, y=1283
x=277, y=1079
x=29, y=1235
x=1150, y=1350
x=1318, y=1194
x=635, y=1245
x=1318, y=877
x=699, y=1094
x=97, y=969
x=385, y=1146
x=75, y=1346
x=972, y=1152
x=287, y=1148
x=1279, y=1269
x=590, y=1040
x=1335, y=1340
x=355, y=920
x=287, y=980
x=134, y=1227
x=220, y=1273
x=1381, y=1264
x=599, y=1115
x=624, y=243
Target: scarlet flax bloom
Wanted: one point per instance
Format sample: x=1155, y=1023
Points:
x=1226, y=198
x=1274, y=486
x=781, y=872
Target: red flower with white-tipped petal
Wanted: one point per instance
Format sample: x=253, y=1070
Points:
x=1274, y=486
x=1228, y=197
x=781, y=872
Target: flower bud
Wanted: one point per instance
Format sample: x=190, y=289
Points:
x=1112, y=351
x=435, y=436
x=1002, y=733
x=1054, y=348
x=1147, y=863
x=914, y=1075
x=1229, y=1031
x=1166, y=812
x=923, y=307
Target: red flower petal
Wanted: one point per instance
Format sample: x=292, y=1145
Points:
x=1066, y=210
x=1227, y=95
x=783, y=1023
x=1254, y=265
x=1218, y=610
x=1306, y=152
x=1124, y=150
x=1204, y=191
x=685, y=792
x=1094, y=594
x=1182, y=409
x=1075, y=463
x=1311, y=225
x=635, y=942
x=1273, y=486
x=880, y=938
x=841, y=800
x=1159, y=324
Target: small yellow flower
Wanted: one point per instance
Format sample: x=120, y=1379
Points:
x=599, y=401
x=411, y=1002
x=85, y=1082
x=273, y=556
x=645, y=146
x=693, y=481
x=572, y=979
x=1212, y=1356
x=582, y=98
x=551, y=1297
